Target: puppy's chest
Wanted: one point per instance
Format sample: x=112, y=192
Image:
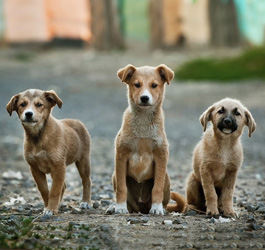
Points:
x=43, y=159
x=225, y=162
x=141, y=160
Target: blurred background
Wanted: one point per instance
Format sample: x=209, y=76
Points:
x=106, y=24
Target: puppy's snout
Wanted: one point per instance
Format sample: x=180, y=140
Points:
x=227, y=121
x=144, y=99
x=29, y=115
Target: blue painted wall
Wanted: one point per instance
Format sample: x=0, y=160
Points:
x=251, y=16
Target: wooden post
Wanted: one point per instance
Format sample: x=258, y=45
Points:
x=166, y=23
x=106, y=27
x=223, y=23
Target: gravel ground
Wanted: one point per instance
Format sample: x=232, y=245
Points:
x=87, y=83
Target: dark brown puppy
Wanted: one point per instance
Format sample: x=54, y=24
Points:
x=50, y=145
x=218, y=157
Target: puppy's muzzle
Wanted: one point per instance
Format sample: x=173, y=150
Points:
x=227, y=125
x=29, y=117
x=144, y=99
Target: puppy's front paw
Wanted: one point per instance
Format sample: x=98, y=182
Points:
x=212, y=211
x=157, y=209
x=85, y=205
x=230, y=214
x=121, y=208
x=47, y=213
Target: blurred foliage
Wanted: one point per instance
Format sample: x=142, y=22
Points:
x=24, y=56
x=249, y=65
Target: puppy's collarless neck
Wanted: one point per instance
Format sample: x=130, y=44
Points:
x=222, y=139
x=36, y=135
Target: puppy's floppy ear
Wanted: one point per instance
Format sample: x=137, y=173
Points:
x=12, y=105
x=53, y=98
x=165, y=72
x=206, y=117
x=250, y=122
x=126, y=73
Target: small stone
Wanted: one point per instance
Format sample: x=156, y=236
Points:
x=137, y=220
x=190, y=213
x=251, y=218
x=212, y=220
x=254, y=226
x=111, y=210
x=259, y=245
x=75, y=211
x=95, y=198
x=251, y=208
x=105, y=228
x=176, y=221
x=105, y=202
x=96, y=205
x=187, y=245
x=85, y=206
x=10, y=174
x=261, y=210
x=167, y=222
x=104, y=196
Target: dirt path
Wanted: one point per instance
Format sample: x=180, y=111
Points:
x=87, y=83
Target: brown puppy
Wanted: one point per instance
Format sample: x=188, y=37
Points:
x=218, y=157
x=50, y=145
x=140, y=178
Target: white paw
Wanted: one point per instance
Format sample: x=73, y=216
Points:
x=85, y=205
x=157, y=209
x=47, y=212
x=121, y=208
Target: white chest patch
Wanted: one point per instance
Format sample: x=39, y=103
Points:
x=226, y=155
x=141, y=166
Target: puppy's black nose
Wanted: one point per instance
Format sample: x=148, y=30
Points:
x=227, y=121
x=144, y=99
x=29, y=114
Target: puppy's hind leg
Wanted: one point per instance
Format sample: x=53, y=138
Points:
x=64, y=187
x=194, y=194
x=83, y=167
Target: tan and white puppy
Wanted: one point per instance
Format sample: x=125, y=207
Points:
x=140, y=178
x=218, y=157
x=50, y=145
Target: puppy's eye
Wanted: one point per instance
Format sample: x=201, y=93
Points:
x=38, y=105
x=237, y=113
x=137, y=85
x=23, y=104
x=221, y=111
x=154, y=85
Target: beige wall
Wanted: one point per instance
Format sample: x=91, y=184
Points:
x=172, y=21
x=196, y=26
x=26, y=20
x=41, y=20
x=70, y=18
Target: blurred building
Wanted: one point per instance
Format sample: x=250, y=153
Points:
x=42, y=20
x=105, y=23
x=251, y=16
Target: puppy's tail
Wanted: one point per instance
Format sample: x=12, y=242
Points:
x=180, y=205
